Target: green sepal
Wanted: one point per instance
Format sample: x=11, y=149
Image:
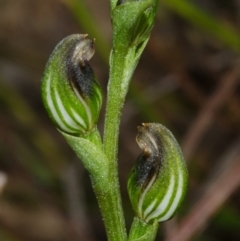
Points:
x=70, y=91
x=157, y=184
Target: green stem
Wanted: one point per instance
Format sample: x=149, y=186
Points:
x=141, y=231
x=120, y=75
x=122, y=67
x=111, y=210
x=116, y=97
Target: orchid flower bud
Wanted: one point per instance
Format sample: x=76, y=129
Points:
x=158, y=182
x=71, y=93
x=133, y=21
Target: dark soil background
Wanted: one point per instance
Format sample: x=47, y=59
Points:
x=187, y=79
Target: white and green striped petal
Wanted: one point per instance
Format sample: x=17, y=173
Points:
x=71, y=93
x=158, y=182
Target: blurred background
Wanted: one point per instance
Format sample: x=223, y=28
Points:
x=187, y=79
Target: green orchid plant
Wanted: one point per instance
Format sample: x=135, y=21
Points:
x=72, y=97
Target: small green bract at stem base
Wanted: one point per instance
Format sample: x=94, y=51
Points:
x=70, y=91
x=142, y=231
x=158, y=182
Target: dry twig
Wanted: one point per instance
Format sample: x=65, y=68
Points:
x=208, y=112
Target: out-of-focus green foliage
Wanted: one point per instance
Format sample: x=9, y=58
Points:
x=200, y=18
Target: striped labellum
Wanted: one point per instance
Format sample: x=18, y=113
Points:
x=71, y=93
x=158, y=182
